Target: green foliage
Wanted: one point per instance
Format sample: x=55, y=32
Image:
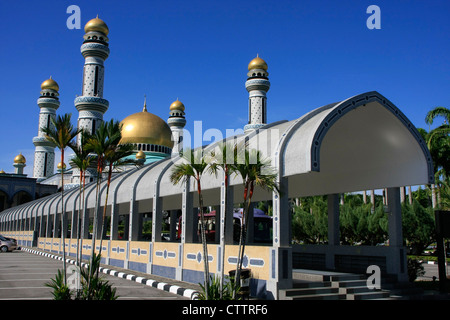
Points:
x=418, y=226
x=60, y=290
x=214, y=291
x=309, y=222
x=415, y=269
x=93, y=287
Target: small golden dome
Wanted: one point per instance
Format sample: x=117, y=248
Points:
x=2, y=171
x=140, y=155
x=63, y=166
x=177, y=105
x=145, y=127
x=20, y=159
x=50, y=84
x=98, y=25
x=257, y=63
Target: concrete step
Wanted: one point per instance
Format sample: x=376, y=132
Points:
x=330, y=296
x=349, y=283
x=368, y=295
x=310, y=291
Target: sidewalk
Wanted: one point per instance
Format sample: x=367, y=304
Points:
x=185, y=289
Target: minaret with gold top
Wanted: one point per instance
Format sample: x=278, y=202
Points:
x=91, y=105
x=44, y=154
x=177, y=121
x=257, y=85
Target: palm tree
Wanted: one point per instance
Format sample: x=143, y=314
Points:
x=61, y=133
x=194, y=167
x=114, y=156
x=82, y=160
x=98, y=144
x=254, y=171
x=223, y=157
x=438, y=142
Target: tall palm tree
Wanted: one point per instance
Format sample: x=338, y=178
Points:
x=98, y=144
x=254, y=171
x=61, y=133
x=223, y=157
x=194, y=167
x=114, y=156
x=82, y=160
x=438, y=142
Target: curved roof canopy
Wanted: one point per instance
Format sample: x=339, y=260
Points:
x=362, y=143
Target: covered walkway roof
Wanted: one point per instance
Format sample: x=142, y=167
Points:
x=362, y=143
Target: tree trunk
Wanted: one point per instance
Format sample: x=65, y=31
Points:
x=203, y=236
x=63, y=217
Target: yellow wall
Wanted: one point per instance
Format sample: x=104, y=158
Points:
x=166, y=254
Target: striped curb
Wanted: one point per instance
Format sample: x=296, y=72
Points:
x=188, y=293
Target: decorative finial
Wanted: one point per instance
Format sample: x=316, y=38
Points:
x=97, y=15
x=145, y=104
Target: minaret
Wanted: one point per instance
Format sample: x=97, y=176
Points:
x=19, y=163
x=44, y=154
x=91, y=105
x=177, y=121
x=257, y=86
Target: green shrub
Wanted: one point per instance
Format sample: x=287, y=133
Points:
x=60, y=290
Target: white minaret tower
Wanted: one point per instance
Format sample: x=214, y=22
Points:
x=257, y=86
x=90, y=105
x=177, y=121
x=44, y=154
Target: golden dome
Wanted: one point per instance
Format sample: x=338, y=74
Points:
x=177, y=105
x=50, y=84
x=20, y=159
x=1, y=171
x=140, y=155
x=145, y=127
x=98, y=25
x=257, y=63
x=61, y=167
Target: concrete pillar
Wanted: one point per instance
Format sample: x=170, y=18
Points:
x=226, y=218
x=397, y=263
x=187, y=213
x=281, y=216
x=333, y=219
x=133, y=232
x=74, y=223
x=395, y=217
x=281, y=252
x=114, y=232
x=157, y=217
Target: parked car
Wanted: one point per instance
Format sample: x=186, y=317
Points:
x=7, y=244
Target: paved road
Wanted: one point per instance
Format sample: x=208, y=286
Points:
x=432, y=270
x=23, y=276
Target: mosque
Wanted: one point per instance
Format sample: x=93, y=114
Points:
x=362, y=143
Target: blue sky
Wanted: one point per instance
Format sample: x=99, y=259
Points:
x=318, y=52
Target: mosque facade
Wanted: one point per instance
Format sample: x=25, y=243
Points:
x=361, y=143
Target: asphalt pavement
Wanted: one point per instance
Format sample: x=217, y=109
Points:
x=23, y=276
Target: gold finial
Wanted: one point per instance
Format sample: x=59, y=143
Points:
x=145, y=103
